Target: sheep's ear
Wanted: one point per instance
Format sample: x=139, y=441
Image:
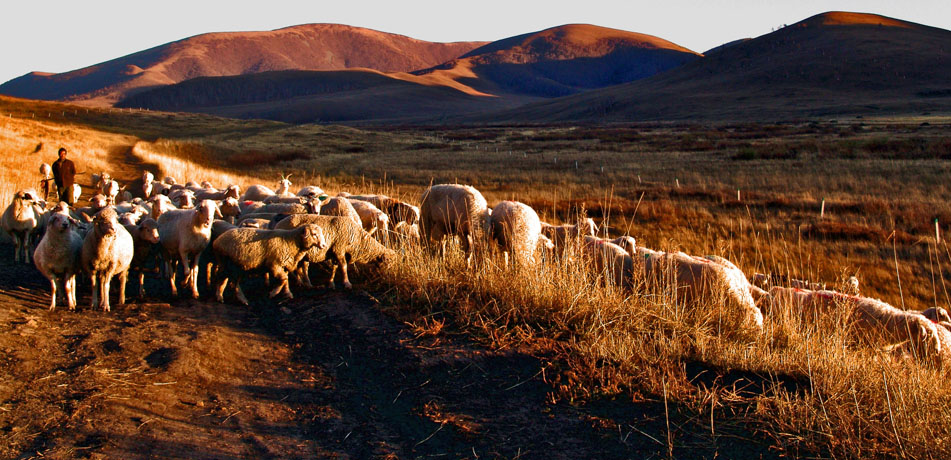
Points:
x=218, y=213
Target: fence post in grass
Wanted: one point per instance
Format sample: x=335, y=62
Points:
x=822, y=211
x=677, y=181
x=937, y=231
x=638, y=178
x=576, y=165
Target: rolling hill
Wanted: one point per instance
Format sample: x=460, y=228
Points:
x=831, y=64
x=304, y=47
x=503, y=74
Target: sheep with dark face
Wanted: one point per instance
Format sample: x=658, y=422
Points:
x=450, y=210
x=277, y=252
x=107, y=251
x=347, y=243
x=183, y=234
x=57, y=257
x=20, y=220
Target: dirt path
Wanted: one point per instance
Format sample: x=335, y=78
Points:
x=327, y=375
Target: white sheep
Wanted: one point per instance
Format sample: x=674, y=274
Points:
x=563, y=235
x=111, y=190
x=257, y=192
x=450, y=210
x=371, y=217
x=340, y=206
x=691, y=276
x=182, y=198
x=47, y=172
x=107, y=251
x=516, y=228
x=160, y=204
x=77, y=192
x=278, y=252
x=57, y=257
x=284, y=187
x=20, y=220
x=937, y=315
x=184, y=233
x=608, y=260
x=310, y=192
x=147, y=179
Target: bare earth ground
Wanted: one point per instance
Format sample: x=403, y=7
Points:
x=329, y=374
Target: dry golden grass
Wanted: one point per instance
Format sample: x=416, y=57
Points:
x=812, y=388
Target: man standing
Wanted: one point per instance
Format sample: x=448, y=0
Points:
x=63, y=174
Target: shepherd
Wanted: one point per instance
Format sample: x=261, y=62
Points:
x=64, y=172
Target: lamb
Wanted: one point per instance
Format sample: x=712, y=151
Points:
x=347, y=243
x=145, y=239
x=184, y=233
x=20, y=220
x=339, y=206
x=454, y=210
x=57, y=258
x=562, y=235
x=242, y=250
x=692, y=275
x=516, y=227
x=397, y=210
x=371, y=217
x=107, y=251
x=256, y=193
x=233, y=191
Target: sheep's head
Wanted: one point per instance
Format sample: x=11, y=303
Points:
x=147, y=177
x=185, y=199
x=313, y=236
x=58, y=223
x=46, y=170
x=206, y=211
x=106, y=221
x=587, y=227
x=206, y=184
x=382, y=221
x=148, y=230
x=229, y=207
x=61, y=208
x=628, y=243
x=168, y=180
x=233, y=191
x=98, y=201
x=413, y=215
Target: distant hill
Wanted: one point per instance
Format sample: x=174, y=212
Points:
x=831, y=64
x=502, y=74
x=304, y=47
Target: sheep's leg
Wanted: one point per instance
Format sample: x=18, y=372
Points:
x=71, y=292
x=141, y=284
x=104, y=292
x=16, y=248
x=95, y=293
x=172, y=268
x=238, y=293
x=53, y=288
x=282, y=283
x=123, y=278
x=342, y=259
x=194, y=278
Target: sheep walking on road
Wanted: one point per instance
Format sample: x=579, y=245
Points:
x=107, y=251
x=278, y=252
x=184, y=233
x=19, y=220
x=57, y=257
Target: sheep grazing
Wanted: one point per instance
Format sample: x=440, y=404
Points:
x=397, y=210
x=454, y=210
x=692, y=276
x=340, y=206
x=57, y=257
x=107, y=251
x=562, y=235
x=183, y=234
x=257, y=193
x=516, y=228
x=277, y=252
x=628, y=243
x=347, y=243
x=406, y=233
x=20, y=220
x=371, y=217
x=937, y=315
x=145, y=239
x=608, y=260
x=233, y=191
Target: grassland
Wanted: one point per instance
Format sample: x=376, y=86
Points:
x=809, y=388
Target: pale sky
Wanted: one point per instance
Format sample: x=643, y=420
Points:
x=63, y=35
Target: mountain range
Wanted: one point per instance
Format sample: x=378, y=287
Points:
x=832, y=64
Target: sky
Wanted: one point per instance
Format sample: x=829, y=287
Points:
x=62, y=35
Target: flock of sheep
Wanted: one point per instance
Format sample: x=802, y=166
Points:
x=278, y=233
